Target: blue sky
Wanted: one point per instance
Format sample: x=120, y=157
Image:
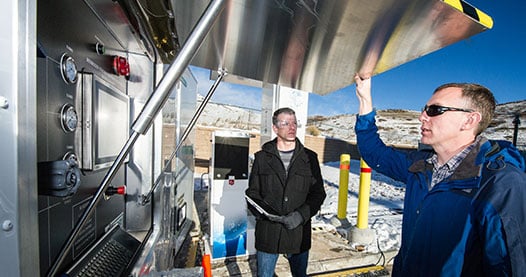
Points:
x=494, y=58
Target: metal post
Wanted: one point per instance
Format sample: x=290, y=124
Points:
x=516, y=123
x=345, y=165
x=363, y=195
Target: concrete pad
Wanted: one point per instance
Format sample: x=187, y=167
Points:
x=330, y=251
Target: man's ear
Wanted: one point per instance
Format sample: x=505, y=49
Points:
x=274, y=128
x=472, y=121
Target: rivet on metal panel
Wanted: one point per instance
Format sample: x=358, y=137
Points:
x=7, y=225
x=3, y=102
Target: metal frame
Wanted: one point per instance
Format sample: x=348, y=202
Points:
x=18, y=196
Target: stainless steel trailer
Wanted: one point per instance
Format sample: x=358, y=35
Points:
x=84, y=83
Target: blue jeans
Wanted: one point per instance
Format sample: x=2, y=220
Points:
x=266, y=263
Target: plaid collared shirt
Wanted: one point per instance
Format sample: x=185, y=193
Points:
x=442, y=172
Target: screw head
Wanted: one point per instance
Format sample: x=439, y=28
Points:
x=4, y=104
x=7, y=225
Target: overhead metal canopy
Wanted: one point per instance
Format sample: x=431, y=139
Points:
x=311, y=45
x=317, y=45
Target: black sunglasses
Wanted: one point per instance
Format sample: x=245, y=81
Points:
x=434, y=110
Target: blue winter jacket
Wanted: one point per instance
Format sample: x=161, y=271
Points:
x=473, y=223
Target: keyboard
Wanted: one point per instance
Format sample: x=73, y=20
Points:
x=109, y=257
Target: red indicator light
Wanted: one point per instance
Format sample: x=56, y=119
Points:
x=121, y=66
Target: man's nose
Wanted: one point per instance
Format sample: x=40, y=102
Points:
x=423, y=117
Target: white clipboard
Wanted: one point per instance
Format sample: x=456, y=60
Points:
x=261, y=210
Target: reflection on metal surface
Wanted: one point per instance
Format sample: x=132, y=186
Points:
x=155, y=19
x=317, y=46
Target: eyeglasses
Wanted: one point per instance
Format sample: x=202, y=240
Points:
x=434, y=110
x=284, y=123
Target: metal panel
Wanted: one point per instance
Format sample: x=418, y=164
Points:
x=140, y=170
x=18, y=203
x=75, y=27
x=317, y=46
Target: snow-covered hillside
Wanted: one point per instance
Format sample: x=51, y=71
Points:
x=399, y=127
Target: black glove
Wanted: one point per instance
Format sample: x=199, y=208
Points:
x=275, y=218
x=292, y=220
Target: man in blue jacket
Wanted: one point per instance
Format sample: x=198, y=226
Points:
x=464, y=208
x=286, y=181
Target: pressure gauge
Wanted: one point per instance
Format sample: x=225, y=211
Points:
x=68, y=69
x=68, y=118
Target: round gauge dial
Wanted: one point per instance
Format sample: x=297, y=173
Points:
x=69, y=119
x=68, y=69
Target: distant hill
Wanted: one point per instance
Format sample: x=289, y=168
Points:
x=403, y=127
x=400, y=127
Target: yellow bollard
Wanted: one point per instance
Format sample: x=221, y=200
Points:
x=363, y=195
x=345, y=165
